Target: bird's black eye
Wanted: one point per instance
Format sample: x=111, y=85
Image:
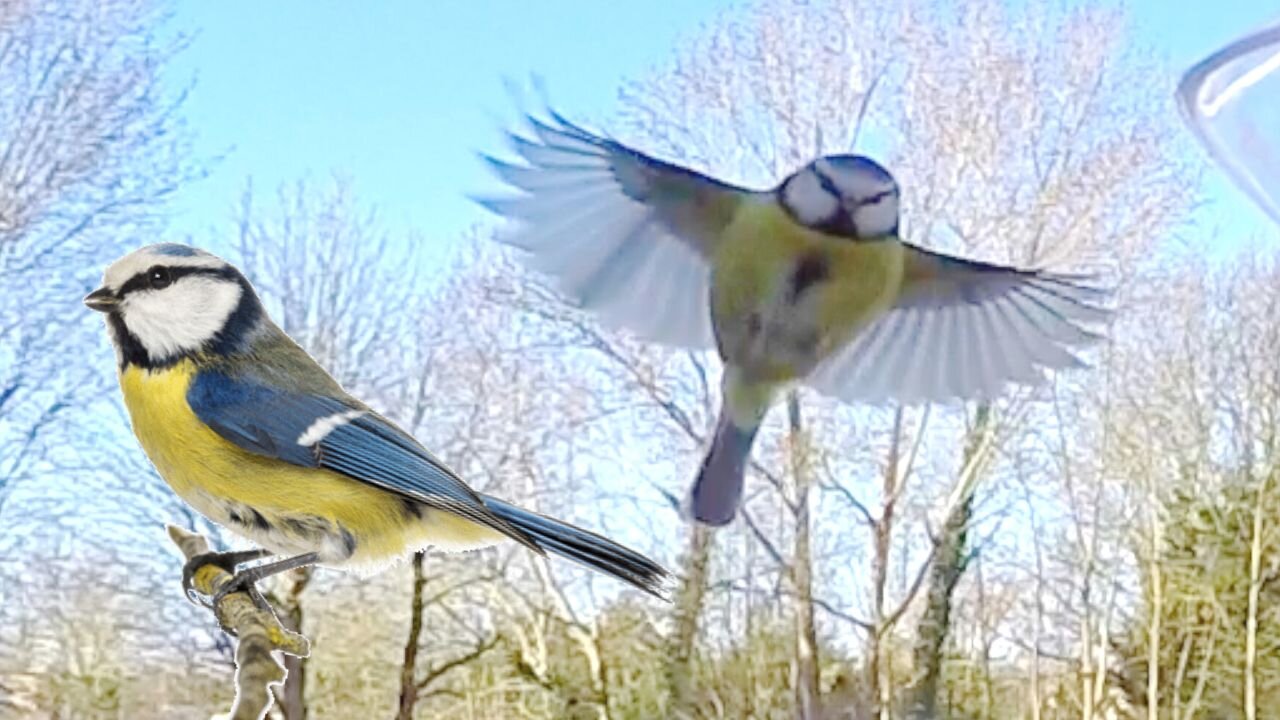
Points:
x=158, y=277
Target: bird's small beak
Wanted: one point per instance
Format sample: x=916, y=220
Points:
x=102, y=300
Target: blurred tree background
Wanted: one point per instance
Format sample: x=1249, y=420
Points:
x=1105, y=547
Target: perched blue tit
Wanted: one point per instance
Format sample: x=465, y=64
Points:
x=250, y=431
x=807, y=281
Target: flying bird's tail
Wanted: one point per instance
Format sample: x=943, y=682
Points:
x=717, y=491
x=583, y=546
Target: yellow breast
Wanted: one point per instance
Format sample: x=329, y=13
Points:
x=283, y=507
x=756, y=261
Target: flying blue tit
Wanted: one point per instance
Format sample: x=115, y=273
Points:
x=253, y=433
x=806, y=281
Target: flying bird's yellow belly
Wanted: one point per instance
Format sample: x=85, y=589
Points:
x=785, y=297
x=282, y=507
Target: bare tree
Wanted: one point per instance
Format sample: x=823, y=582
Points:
x=90, y=146
x=1199, y=430
x=991, y=132
x=1105, y=544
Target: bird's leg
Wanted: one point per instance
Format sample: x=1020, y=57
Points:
x=228, y=561
x=246, y=580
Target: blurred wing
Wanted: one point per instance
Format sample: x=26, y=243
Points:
x=962, y=329
x=624, y=234
x=1232, y=102
x=334, y=434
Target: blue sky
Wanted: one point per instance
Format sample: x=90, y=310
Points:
x=399, y=95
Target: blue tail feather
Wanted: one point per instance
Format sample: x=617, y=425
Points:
x=583, y=546
x=717, y=492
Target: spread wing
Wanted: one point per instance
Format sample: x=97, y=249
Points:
x=319, y=431
x=624, y=234
x=964, y=329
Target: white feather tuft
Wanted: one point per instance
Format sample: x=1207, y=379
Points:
x=321, y=428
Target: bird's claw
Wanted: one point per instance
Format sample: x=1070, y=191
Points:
x=227, y=561
x=239, y=583
x=189, y=575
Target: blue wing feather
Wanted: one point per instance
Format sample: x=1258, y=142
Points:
x=268, y=421
x=258, y=418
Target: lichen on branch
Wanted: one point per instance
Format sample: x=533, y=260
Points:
x=258, y=632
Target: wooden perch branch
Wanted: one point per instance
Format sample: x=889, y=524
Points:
x=259, y=634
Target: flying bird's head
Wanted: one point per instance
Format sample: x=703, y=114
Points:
x=848, y=195
x=165, y=302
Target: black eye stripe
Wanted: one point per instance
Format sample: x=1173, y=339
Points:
x=828, y=184
x=142, y=281
x=159, y=277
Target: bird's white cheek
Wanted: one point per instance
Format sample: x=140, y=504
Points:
x=182, y=317
x=876, y=219
x=810, y=202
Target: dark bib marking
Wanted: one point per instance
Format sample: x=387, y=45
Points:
x=131, y=350
x=811, y=270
